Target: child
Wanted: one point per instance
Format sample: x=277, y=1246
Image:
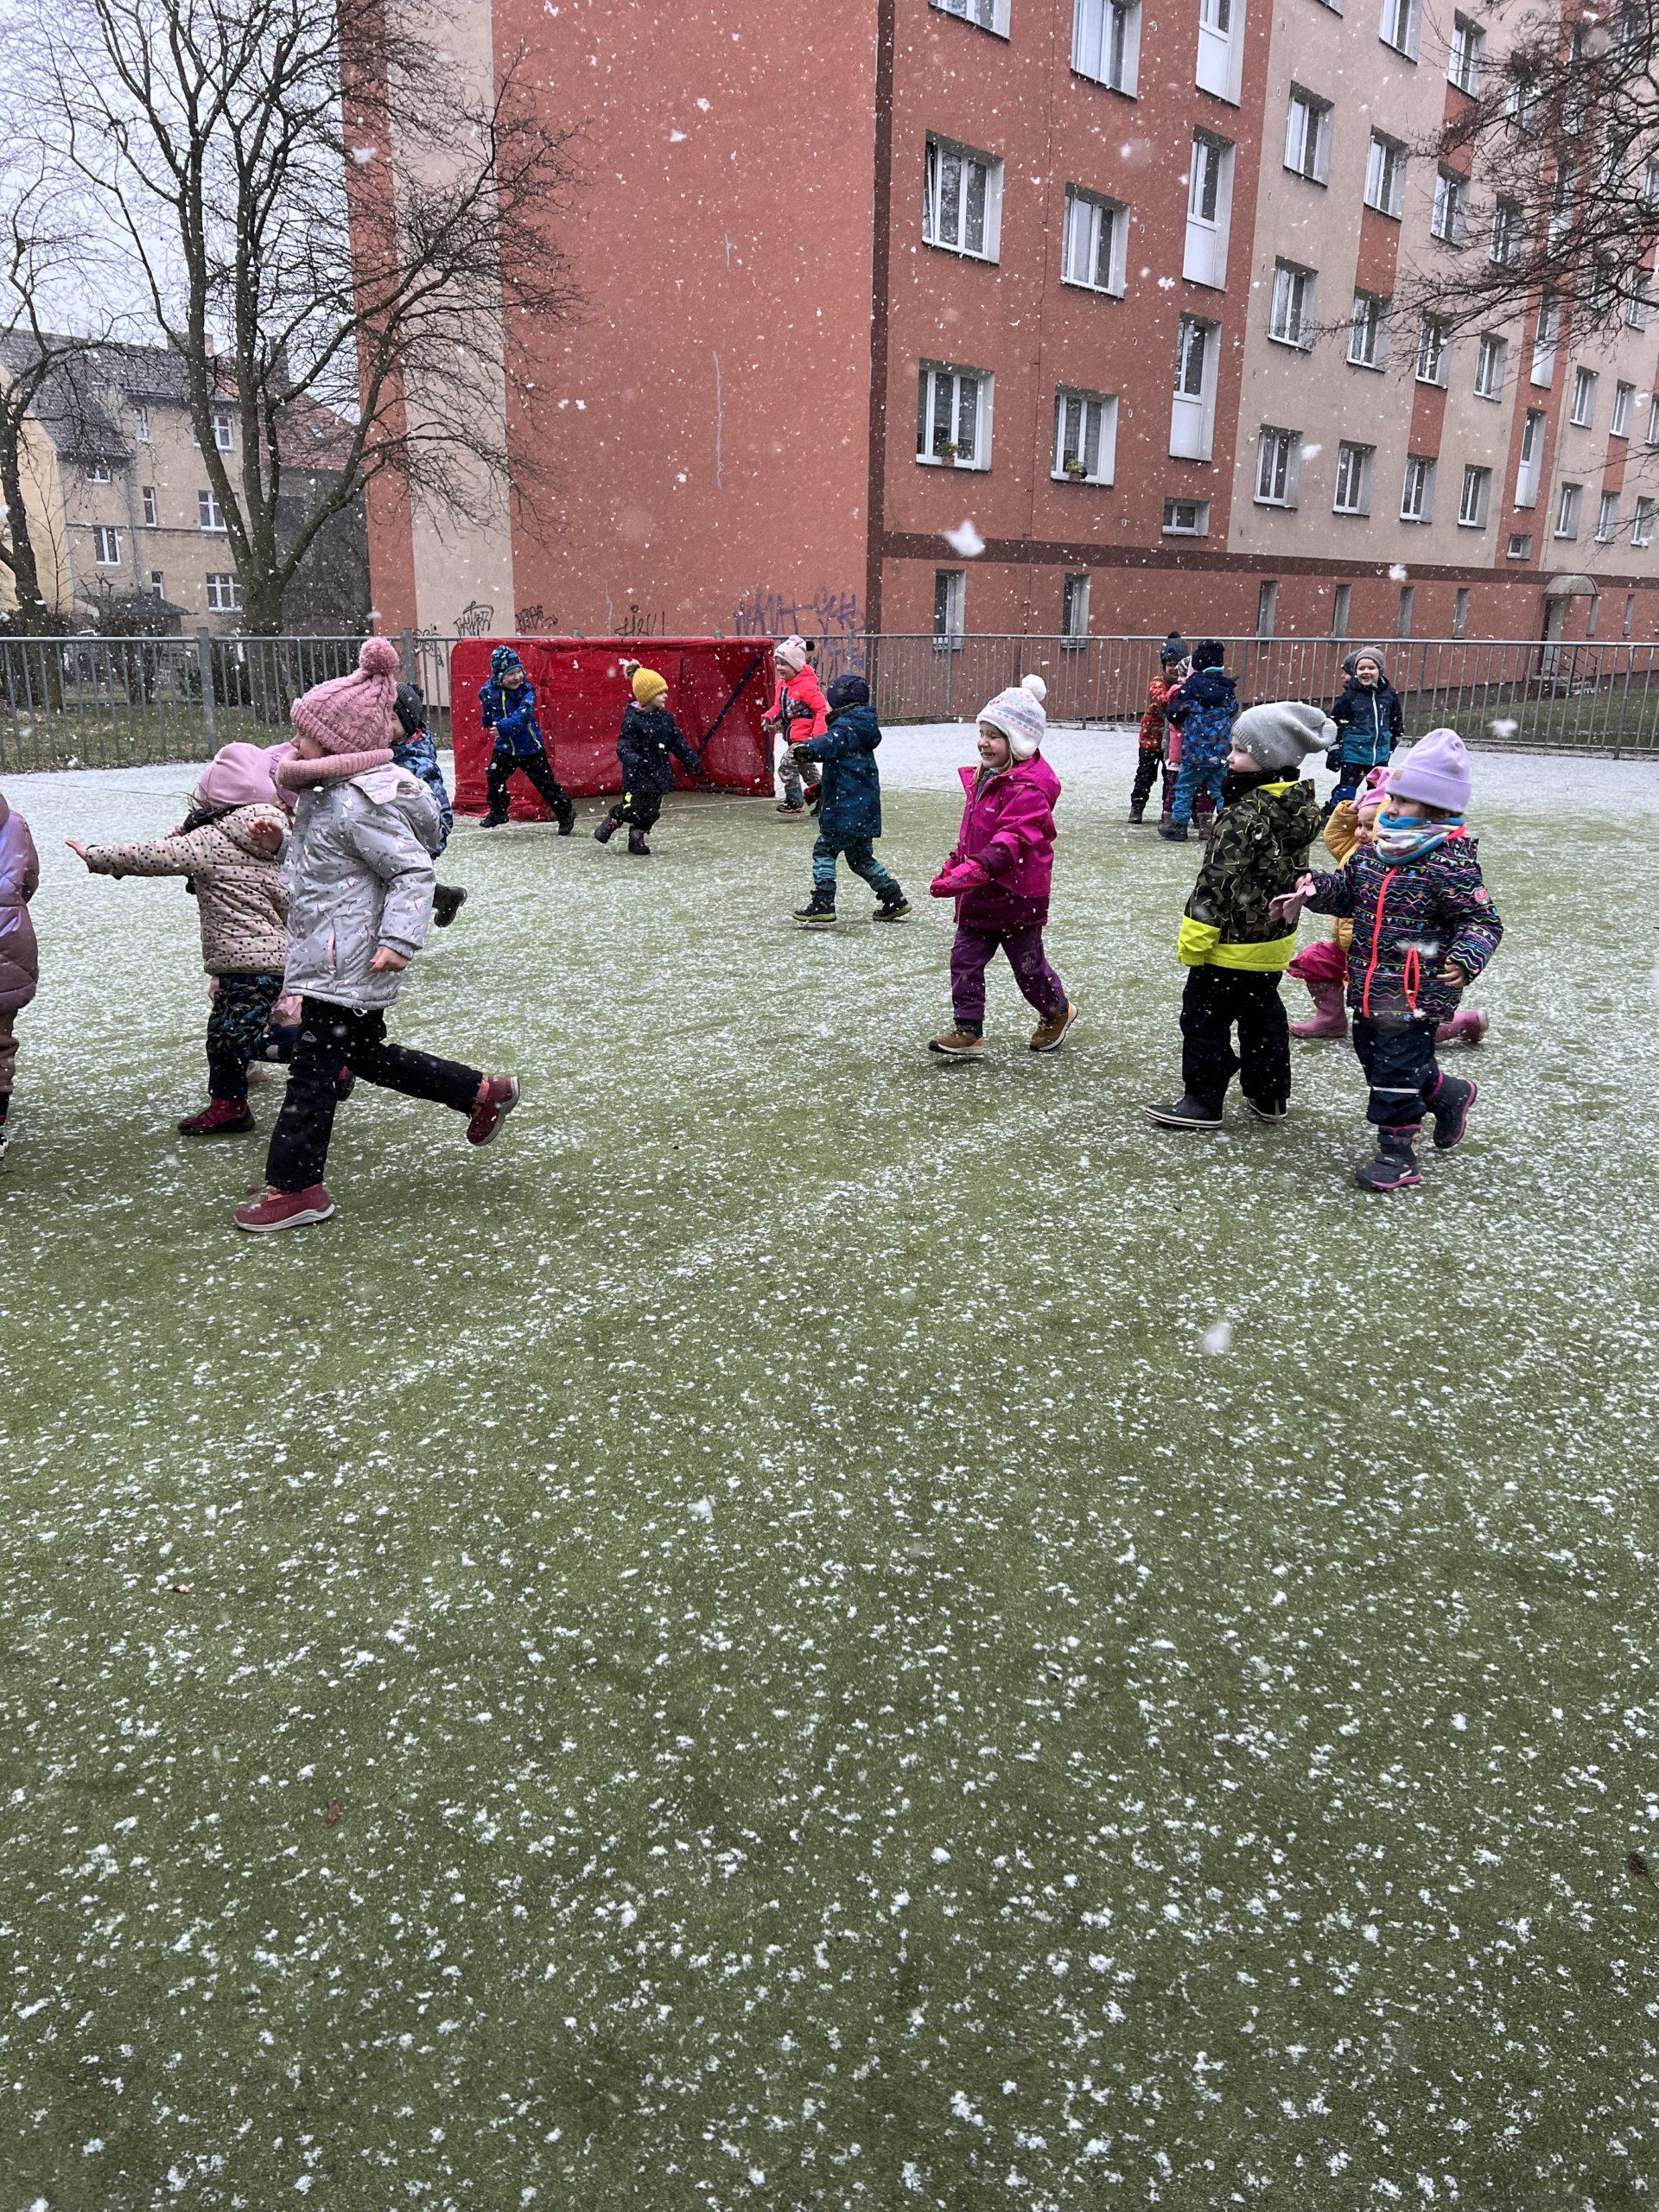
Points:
x=507, y=703
x=1369, y=717
x=1233, y=946
x=228, y=851
x=1424, y=928
x=1154, y=728
x=851, y=817
x=799, y=711
x=1203, y=714
x=359, y=868
x=1001, y=873
x=649, y=744
x=416, y=750
x=19, y=959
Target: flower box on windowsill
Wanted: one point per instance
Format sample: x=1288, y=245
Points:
x=1076, y=472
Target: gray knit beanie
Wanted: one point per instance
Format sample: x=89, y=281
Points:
x=1278, y=735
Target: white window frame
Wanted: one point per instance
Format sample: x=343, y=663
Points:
x=1639, y=306
x=224, y=419
x=1607, y=518
x=1475, y=499
x=1520, y=545
x=1368, y=331
x=152, y=510
x=1653, y=419
x=1460, y=613
x=1219, y=66
x=1290, y=311
x=140, y=423
x=210, y=515
x=1192, y=414
x=949, y=609
x=1465, y=59
x=1546, y=334
x=1528, y=472
x=1088, y=215
x=1491, y=361
x=1278, y=467
x=1307, y=135
x=106, y=545
x=1209, y=180
x=1074, y=608
x=1449, y=221
x=1503, y=237
x=987, y=15
x=1569, y=510
x=1342, y=600
x=1106, y=43
x=1417, y=490
x=96, y=472
x=157, y=584
x=1385, y=174
x=1266, y=606
x=1642, y=523
x=1175, y=527
x=224, y=592
x=1097, y=416
x=1586, y=384
x=941, y=214
x=1352, y=494
x=934, y=377
x=1433, y=352
x=1402, y=26
x=1407, y=606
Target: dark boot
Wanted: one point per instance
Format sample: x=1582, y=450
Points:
x=608, y=828
x=222, y=1117
x=894, y=905
x=564, y=812
x=1449, y=1111
x=493, y=822
x=1138, y=811
x=820, y=908
x=1172, y=833
x=1187, y=1113
x=1395, y=1167
x=448, y=900
x=637, y=844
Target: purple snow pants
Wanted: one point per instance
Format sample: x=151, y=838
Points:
x=971, y=955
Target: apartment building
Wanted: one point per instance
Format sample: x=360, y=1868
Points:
x=1112, y=282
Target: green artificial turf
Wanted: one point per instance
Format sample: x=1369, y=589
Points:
x=834, y=1695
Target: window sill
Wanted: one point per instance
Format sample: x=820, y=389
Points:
x=1433, y=384
x=1352, y=514
x=1389, y=215
x=1417, y=522
x=1275, y=506
x=1095, y=291
x=1123, y=92
x=1493, y=398
x=955, y=468
x=1574, y=424
x=1086, y=483
x=1377, y=368
x=1462, y=525
x=1399, y=52
x=1167, y=532
x=963, y=252
x=1302, y=176
x=1290, y=345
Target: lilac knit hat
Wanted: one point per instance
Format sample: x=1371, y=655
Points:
x=352, y=714
x=1018, y=712
x=1435, y=772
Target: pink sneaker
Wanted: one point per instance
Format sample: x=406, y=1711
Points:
x=221, y=1117
x=497, y=1097
x=285, y=1208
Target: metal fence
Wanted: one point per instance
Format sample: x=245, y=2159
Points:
x=118, y=702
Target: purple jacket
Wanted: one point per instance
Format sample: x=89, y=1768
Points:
x=1008, y=825
x=1409, y=917
x=20, y=871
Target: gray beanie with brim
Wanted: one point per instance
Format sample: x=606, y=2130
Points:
x=1279, y=735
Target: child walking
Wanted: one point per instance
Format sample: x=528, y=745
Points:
x=358, y=869
x=849, y=818
x=799, y=711
x=414, y=748
x=1234, y=947
x=652, y=742
x=1000, y=875
x=1203, y=714
x=19, y=959
x=1372, y=722
x=226, y=851
x=1162, y=693
x=507, y=703
x=1425, y=926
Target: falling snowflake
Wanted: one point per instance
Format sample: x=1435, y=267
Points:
x=1505, y=726
x=966, y=541
x=702, y=1509
x=1218, y=1339
x=1397, y=572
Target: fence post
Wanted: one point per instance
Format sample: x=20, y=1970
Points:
x=411, y=671
x=205, y=661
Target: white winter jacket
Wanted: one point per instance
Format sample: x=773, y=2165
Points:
x=358, y=869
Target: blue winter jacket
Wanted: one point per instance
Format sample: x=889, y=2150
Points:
x=851, y=805
x=419, y=755
x=1204, y=712
x=512, y=716
x=1371, y=723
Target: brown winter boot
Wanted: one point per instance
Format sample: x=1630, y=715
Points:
x=1046, y=1036
x=957, y=1045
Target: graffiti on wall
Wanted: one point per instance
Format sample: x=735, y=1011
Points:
x=636, y=623
x=535, y=619
x=474, y=620
x=763, y=613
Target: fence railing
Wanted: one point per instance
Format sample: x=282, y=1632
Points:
x=120, y=702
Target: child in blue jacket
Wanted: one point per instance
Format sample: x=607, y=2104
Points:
x=507, y=703
x=1204, y=711
x=849, y=814
x=1371, y=719
x=416, y=750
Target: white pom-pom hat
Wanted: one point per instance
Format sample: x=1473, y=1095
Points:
x=1018, y=712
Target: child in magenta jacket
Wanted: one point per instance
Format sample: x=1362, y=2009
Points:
x=1001, y=873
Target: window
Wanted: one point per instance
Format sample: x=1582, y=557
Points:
x=1584, y=382
x=950, y=600
x=1505, y=244
x=1463, y=66
x=140, y=423
x=1460, y=615
x=1637, y=306
x=1193, y=410
x=1074, y=610
x=952, y=416
x=1567, y=510
x=1266, y=609
x=1532, y=458
x=97, y=472
x=1607, y=518
x=1573, y=103
x=1520, y=100
x=1451, y=215
x=1402, y=26
x=1095, y=242
x=1385, y=175
x=1408, y=599
x=157, y=584
x=1291, y=318
x=224, y=595
x=224, y=428
x=1221, y=48
x=1186, y=518
x=1600, y=289
x=1630, y=613
x=1490, y=356
x=1278, y=453
x=1417, y=494
x=1624, y=399
x=1341, y=600
x=989, y=15
x=1106, y=42
x=1543, y=343
x=1650, y=186
x=1653, y=420
x=106, y=546
x=1593, y=617
x=1209, y=210
x=1434, y=352
x=962, y=201
x=210, y=514
x=1521, y=546
x=1476, y=492
x=1085, y=436
x=1560, y=206
x=152, y=513
x=1368, y=332
x=1307, y=135
x=1642, y=527
x=1353, y=495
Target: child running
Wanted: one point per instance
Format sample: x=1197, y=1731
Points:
x=1425, y=926
x=1154, y=728
x=1203, y=714
x=1233, y=945
x=507, y=703
x=414, y=748
x=226, y=850
x=849, y=820
x=799, y=711
x=1000, y=873
x=651, y=742
x=358, y=869
x=19, y=959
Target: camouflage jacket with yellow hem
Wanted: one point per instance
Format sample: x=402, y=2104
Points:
x=1258, y=850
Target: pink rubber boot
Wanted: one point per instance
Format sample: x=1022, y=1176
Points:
x=1330, y=1014
x=1468, y=1026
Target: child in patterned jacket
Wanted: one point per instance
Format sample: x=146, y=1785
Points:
x=1161, y=693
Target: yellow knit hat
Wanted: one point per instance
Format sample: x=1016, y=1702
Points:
x=648, y=685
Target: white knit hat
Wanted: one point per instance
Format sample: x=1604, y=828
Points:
x=790, y=654
x=1018, y=712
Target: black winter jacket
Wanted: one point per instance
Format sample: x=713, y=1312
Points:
x=649, y=744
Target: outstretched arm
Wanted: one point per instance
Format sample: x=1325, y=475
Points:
x=192, y=853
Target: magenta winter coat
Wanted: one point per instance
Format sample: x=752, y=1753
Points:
x=20, y=872
x=1008, y=825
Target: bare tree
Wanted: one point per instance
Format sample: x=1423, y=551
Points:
x=241, y=149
